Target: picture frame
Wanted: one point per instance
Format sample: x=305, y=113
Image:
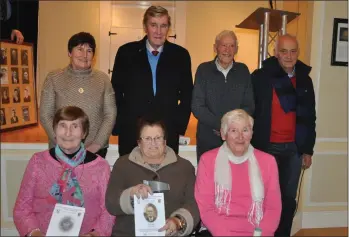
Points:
x=18, y=91
x=339, y=54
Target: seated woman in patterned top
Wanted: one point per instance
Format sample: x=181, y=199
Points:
x=66, y=174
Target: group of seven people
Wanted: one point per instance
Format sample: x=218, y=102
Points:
x=255, y=133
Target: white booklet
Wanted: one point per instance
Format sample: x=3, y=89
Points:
x=65, y=220
x=149, y=215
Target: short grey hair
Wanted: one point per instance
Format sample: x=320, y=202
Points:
x=226, y=33
x=156, y=11
x=233, y=116
x=276, y=45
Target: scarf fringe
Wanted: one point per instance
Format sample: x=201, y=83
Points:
x=255, y=215
x=223, y=183
x=222, y=198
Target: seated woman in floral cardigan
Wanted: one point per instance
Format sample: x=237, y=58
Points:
x=67, y=174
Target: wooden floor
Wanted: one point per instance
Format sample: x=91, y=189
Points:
x=323, y=232
x=36, y=134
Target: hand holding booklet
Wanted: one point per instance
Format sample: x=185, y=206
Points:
x=65, y=220
x=149, y=215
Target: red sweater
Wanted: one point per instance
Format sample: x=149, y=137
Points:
x=236, y=223
x=283, y=125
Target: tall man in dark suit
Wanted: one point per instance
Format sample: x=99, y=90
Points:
x=284, y=123
x=152, y=77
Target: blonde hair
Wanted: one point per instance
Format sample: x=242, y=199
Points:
x=233, y=116
x=156, y=11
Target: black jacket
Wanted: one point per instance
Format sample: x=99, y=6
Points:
x=132, y=83
x=263, y=93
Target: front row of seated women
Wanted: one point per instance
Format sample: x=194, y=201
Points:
x=235, y=193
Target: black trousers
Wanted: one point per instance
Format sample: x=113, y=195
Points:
x=289, y=163
x=204, y=233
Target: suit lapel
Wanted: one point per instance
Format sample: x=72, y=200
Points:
x=144, y=65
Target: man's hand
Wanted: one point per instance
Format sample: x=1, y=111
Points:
x=93, y=147
x=18, y=35
x=306, y=161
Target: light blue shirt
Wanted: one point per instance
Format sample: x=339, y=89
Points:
x=153, y=61
x=292, y=73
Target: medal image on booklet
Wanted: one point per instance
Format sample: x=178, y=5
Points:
x=65, y=221
x=149, y=215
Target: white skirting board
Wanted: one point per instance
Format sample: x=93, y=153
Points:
x=302, y=220
x=324, y=219
x=9, y=232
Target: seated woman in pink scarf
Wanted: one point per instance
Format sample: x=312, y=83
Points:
x=237, y=188
x=67, y=174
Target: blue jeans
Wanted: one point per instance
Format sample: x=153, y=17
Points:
x=289, y=163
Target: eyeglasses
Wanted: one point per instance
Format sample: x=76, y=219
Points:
x=148, y=140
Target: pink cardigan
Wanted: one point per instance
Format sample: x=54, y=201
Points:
x=32, y=210
x=236, y=223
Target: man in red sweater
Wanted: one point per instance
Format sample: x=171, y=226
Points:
x=285, y=120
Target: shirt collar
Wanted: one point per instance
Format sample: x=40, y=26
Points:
x=151, y=49
x=220, y=68
x=292, y=73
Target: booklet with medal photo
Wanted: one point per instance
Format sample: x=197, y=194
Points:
x=149, y=215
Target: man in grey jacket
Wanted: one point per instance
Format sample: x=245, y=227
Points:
x=220, y=86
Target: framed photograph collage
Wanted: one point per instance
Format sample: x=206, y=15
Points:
x=18, y=91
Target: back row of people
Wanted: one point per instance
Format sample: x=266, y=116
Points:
x=152, y=77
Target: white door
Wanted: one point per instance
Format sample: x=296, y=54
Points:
x=119, y=37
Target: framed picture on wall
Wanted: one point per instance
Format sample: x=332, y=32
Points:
x=339, y=54
x=18, y=92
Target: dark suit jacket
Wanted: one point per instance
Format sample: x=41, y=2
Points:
x=24, y=17
x=132, y=83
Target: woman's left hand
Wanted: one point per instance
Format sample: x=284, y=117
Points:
x=170, y=227
x=90, y=234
